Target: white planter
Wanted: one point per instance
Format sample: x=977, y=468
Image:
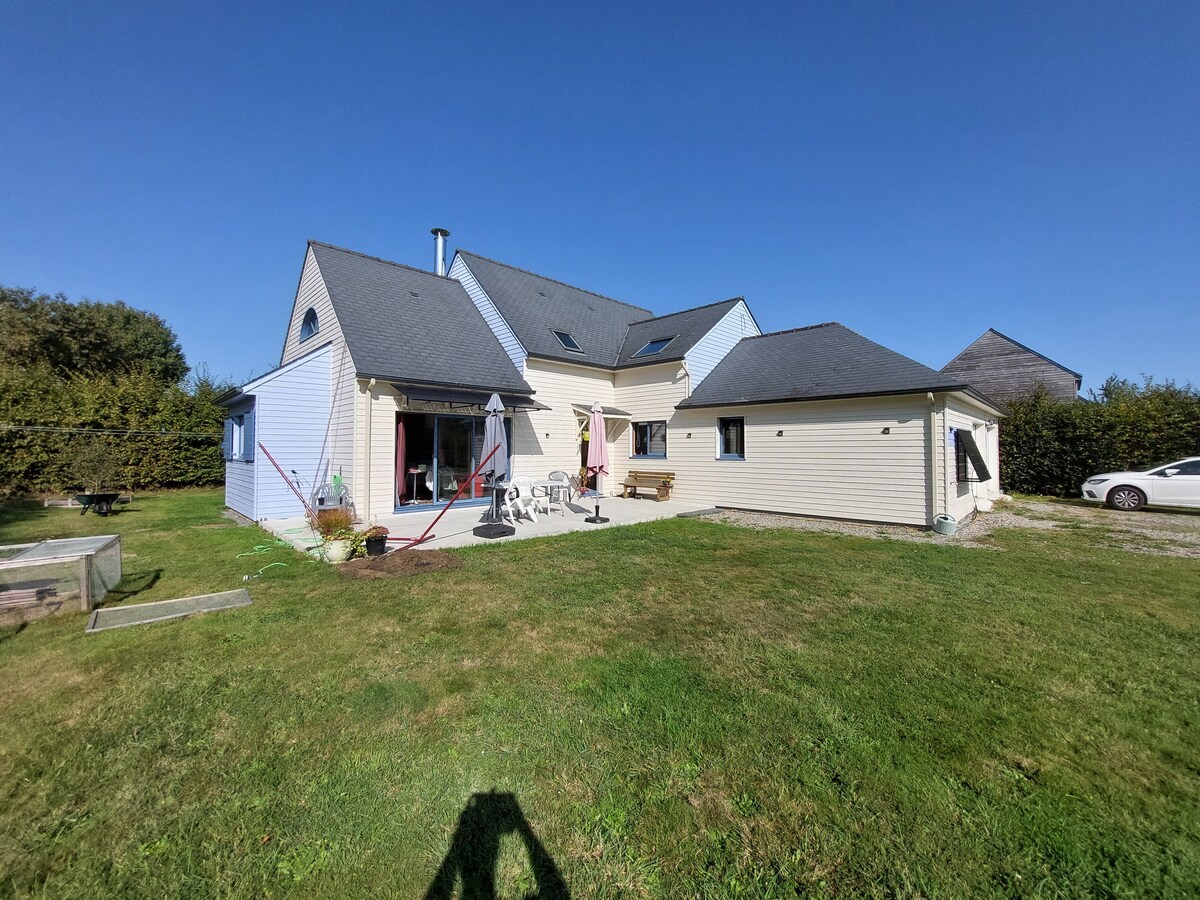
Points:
x=337, y=551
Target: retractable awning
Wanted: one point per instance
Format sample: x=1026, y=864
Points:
x=610, y=412
x=466, y=396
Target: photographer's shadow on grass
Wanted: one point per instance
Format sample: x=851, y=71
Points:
x=470, y=863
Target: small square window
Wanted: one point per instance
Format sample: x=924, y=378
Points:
x=650, y=439
x=568, y=342
x=732, y=438
x=658, y=345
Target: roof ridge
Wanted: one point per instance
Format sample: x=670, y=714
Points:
x=754, y=337
x=680, y=312
x=573, y=287
x=380, y=259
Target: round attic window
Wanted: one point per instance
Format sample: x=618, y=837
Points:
x=310, y=325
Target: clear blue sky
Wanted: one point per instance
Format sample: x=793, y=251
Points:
x=917, y=171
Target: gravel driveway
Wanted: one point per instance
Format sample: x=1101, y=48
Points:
x=1175, y=533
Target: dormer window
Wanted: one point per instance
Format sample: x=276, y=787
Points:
x=310, y=325
x=658, y=345
x=568, y=342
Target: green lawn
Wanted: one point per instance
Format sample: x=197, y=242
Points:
x=678, y=709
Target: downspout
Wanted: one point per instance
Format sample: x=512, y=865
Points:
x=687, y=374
x=366, y=513
x=933, y=449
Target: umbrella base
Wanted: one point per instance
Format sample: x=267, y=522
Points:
x=496, y=530
x=596, y=520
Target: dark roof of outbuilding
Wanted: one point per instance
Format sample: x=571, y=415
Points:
x=534, y=305
x=819, y=362
x=404, y=324
x=687, y=327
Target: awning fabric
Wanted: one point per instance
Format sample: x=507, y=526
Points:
x=610, y=412
x=973, y=454
x=467, y=396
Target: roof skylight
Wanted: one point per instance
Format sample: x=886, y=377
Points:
x=658, y=345
x=568, y=342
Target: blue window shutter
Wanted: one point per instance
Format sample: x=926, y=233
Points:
x=248, y=435
x=227, y=441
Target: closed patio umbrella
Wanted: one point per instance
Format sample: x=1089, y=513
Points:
x=597, y=458
x=496, y=468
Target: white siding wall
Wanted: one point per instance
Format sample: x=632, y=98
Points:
x=546, y=440
x=488, y=310
x=833, y=459
x=963, y=498
x=711, y=349
x=293, y=422
x=649, y=393
x=312, y=293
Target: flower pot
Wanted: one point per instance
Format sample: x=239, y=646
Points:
x=337, y=551
x=377, y=546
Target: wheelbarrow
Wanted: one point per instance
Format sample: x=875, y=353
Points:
x=101, y=503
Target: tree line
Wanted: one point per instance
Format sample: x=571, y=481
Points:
x=70, y=371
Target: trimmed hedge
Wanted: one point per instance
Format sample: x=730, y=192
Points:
x=139, y=401
x=1051, y=447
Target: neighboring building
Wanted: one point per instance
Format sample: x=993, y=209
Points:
x=386, y=368
x=1004, y=369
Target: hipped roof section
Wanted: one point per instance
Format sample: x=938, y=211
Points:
x=819, y=362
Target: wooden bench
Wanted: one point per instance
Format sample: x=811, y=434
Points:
x=660, y=481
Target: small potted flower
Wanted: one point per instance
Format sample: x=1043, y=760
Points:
x=376, y=540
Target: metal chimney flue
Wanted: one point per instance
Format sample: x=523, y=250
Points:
x=439, y=249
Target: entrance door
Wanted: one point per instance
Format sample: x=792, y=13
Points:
x=455, y=456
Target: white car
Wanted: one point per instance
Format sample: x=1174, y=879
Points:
x=1175, y=484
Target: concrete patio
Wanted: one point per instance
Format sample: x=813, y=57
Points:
x=455, y=527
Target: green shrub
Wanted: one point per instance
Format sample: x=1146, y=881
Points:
x=1051, y=447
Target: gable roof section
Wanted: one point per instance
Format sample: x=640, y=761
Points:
x=534, y=306
x=408, y=325
x=951, y=367
x=819, y=362
x=687, y=327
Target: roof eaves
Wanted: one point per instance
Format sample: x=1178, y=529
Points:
x=688, y=404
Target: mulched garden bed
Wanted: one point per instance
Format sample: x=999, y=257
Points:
x=400, y=563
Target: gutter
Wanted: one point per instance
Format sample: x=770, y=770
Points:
x=933, y=449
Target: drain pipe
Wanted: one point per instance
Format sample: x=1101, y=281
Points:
x=933, y=449
x=687, y=374
x=366, y=479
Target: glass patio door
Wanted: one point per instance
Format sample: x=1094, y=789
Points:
x=455, y=456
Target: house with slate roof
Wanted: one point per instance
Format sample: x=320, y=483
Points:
x=385, y=370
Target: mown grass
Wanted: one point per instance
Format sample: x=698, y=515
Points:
x=680, y=709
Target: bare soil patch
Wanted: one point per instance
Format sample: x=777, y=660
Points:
x=400, y=564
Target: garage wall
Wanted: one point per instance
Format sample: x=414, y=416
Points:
x=962, y=499
x=832, y=459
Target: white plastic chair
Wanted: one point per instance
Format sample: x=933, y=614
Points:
x=559, y=491
x=519, y=499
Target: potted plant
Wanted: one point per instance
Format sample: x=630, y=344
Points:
x=95, y=468
x=335, y=528
x=375, y=538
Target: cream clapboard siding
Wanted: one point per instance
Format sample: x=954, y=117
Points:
x=495, y=320
x=650, y=394
x=548, y=440
x=711, y=349
x=832, y=460
x=313, y=294
x=961, y=500
x=292, y=421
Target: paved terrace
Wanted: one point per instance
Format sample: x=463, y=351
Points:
x=454, y=530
